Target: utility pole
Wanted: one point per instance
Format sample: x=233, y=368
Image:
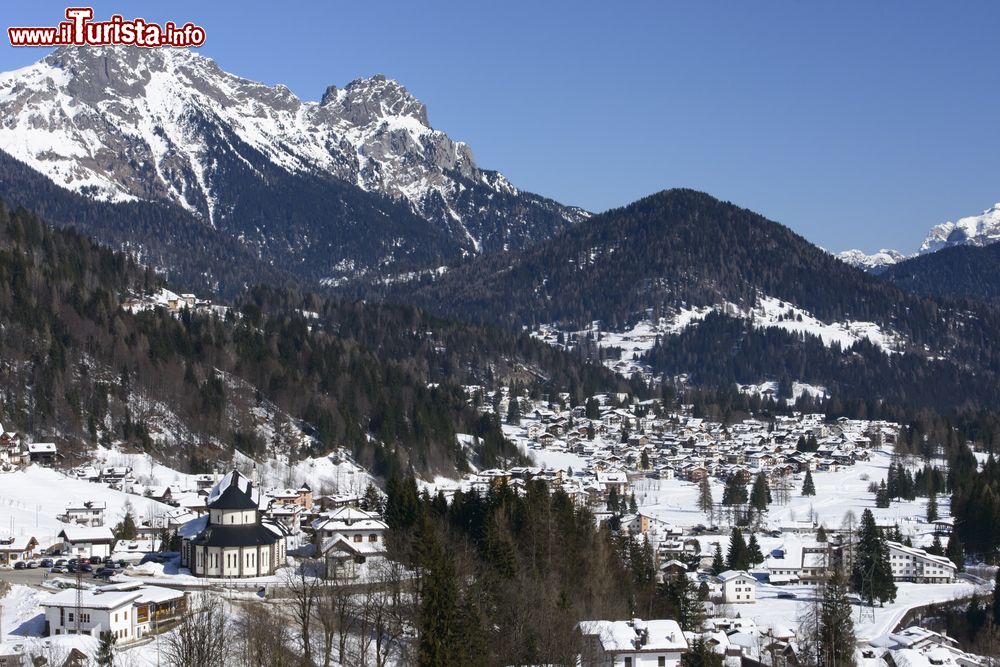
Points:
x=79, y=595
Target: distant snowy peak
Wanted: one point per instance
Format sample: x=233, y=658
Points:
x=121, y=124
x=975, y=230
x=872, y=263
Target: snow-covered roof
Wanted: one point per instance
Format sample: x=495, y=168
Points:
x=920, y=553
x=637, y=635
x=74, y=534
x=92, y=599
x=236, y=485
x=18, y=543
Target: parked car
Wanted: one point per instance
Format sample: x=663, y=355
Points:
x=32, y=564
x=71, y=568
x=86, y=567
x=45, y=562
x=104, y=573
x=57, y=569
x=61, y=562
x=20, y=565
x=96, y=560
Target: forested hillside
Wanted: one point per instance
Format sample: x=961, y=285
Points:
x=681, y=249
x=187, y=252
x=382, y=382
x=677, y=246
x=722, y=351
x=961, y=272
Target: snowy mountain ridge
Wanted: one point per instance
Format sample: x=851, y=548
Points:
x=122, y=124
x=974, y=230
x=873, y=262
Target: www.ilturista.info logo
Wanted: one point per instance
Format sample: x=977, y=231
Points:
x=80, y=30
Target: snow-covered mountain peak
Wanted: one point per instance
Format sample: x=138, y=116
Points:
x=375, y=98
x=975, y=230
x=119, y=124
x=874, y=262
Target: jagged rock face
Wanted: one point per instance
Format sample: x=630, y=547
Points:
x=873, y=263
x=974, y=230
x=121, y=124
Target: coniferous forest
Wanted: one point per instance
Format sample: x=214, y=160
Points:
x=80, y=368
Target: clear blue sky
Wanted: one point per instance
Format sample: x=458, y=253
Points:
x=855, y=123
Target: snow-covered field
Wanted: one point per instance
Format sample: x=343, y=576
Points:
x=30, y=500
x=870, y=624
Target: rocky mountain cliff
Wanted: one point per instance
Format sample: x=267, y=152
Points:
x=356, y=183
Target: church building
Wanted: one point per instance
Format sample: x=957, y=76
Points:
x=232, y=540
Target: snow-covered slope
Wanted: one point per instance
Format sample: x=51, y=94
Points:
x=122, y=124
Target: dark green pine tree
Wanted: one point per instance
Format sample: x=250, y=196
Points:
x=932, y=509
x=514, y=411
x=126, y=530
x=882, y=498
x=700, y=654
x=718, y=562
x=955, y=552
x=678, y=598
x=735, y=492
x=760, y=495
x=439, y=602
x=474, y=648
x=613, y=500
x=836, y=628
x=737, y=558
x=633, y=507
x=371, y=501
x=935, y=547
x=872, y=575
x=705, y=503
x=105, y=656
x=754, y=555
x=808, y=486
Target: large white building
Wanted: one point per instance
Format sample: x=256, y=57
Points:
x=635, y=643
x=127, y=611
x=232, y=540
x=916, y=565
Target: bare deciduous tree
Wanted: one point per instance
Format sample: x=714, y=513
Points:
x=336, y=613
x=261, y=638
x=387, y=608
x=305, y=584
x=200, y=639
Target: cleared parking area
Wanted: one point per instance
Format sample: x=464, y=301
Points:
x=33, y=577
